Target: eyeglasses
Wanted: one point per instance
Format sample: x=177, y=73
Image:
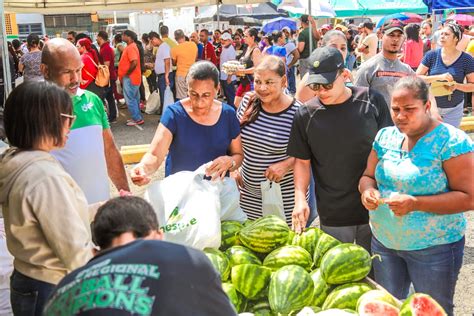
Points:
x=72, y=118
x=318, y=86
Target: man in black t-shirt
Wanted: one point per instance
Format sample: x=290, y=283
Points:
x=334, y=136
x=131, y=276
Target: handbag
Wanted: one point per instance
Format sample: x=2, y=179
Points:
x=102, y=79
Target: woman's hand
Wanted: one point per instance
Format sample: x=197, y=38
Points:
x=219, y=167
x=402, y=204
x=446, y=76
x=370, y=199
x=277, y=171
x=239, y=73
x=139, y=175
x=238, y=178
x=300, y=216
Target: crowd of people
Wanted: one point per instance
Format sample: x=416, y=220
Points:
x=362, y=141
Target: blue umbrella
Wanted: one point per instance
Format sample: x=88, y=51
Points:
x=279, y=23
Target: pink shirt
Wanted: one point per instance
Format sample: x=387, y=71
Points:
x=413, y=53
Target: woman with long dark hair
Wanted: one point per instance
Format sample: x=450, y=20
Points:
x=413, y=46
x=30, y=62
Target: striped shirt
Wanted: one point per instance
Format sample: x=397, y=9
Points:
x=265, y=142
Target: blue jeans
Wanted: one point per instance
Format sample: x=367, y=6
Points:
x=131, y=94
x=350, y=60
x=291, y=74
x=229, y=91
x=161, y=83
x=28, y=296
x=433, y=271
x=313, y=210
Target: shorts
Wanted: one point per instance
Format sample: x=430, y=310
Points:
x=181, y=88
x=241, y=90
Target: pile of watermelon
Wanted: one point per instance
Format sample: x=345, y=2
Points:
x=266, y=269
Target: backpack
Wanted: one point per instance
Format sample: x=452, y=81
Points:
x=102, y=79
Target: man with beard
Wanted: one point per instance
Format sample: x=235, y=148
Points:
x=383, y=70
x=90, y=155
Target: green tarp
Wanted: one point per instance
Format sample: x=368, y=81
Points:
x=351, y=8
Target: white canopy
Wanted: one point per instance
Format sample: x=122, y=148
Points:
x=89, y=6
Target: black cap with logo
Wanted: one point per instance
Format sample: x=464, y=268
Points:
x=324, y=64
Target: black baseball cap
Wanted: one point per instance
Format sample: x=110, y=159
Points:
x=324, y=64
x=392, y=25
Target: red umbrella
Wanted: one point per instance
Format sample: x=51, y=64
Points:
x=412, y=18
x=462, y=19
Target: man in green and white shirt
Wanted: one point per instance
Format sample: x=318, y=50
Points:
x=90, y=155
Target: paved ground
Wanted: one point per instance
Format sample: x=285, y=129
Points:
x=464, y=301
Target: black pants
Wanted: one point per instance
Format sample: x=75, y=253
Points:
x=151, y=79
x=109, y=97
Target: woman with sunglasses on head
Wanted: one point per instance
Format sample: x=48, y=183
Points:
x=333, y=137
x=47, y=220
x=417, y=185
x=451, y=66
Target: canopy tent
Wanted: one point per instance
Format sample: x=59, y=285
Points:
x=350, y=8
x=89, y=6
x=296, y=8
x=262, y=11
x=449, y=4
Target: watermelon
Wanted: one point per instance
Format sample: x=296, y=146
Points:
x=291, y=288
x=346, y=296
x=325, y=242
x=378, y=295
x=250, y=279
x=420, y=304
x=287, y=255
x=321, y=288
x=309, y=311
x=241, y=255
x=229, y=230
x=377, y=308
x=247, y=222
x=345, y=263
x=220, y=262
x=291, y=235
x=261, y=308
x=235, y=297
x=264, y=234
x=308, y=239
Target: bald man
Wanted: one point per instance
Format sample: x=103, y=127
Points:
x=195, y=38
x=90, y=155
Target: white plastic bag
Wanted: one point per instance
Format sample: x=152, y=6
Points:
x=188, y=208
x=272, y=200
x=168, y=98
x=230, y=202
x=153, y=103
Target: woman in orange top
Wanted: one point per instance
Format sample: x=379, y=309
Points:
x=90, y=61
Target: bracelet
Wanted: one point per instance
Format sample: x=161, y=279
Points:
x=233, y=163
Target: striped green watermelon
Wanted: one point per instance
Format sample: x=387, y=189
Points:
x=325, y=242
x=321, y=288
x=229, y=230
x=420, y=304
x=265, y=234
x=308, y=239
x=237, y=299
x=345, y=263
x=291, y=288
x=287, y=255
x=247, y=222
x=261, y=308
x=241, y=255
x=336, y=312
x=220, y=262
x=346, y=296
x=291, y=235
x=250, y=279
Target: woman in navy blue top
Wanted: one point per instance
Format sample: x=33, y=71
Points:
x=194, y=131
x=453, y=66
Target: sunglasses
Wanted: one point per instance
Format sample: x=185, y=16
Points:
x=318, y=86
x=72, y=118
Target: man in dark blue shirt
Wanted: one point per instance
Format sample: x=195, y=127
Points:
x=135, y=273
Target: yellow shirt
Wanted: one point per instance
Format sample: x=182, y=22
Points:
x=470, y=48
x=171, y=43
x=185, y=55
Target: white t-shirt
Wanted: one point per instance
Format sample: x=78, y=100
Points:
x=163, y=52
x=227, y=54
x=371, y=41
x=290, y=47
